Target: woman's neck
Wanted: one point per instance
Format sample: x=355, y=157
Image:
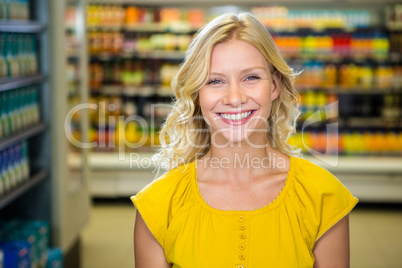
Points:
x=243, y=159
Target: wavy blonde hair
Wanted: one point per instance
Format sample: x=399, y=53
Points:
x=185, y=146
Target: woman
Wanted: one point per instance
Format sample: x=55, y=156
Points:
x=235, y=194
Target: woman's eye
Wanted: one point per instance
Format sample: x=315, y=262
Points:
x=252, y=77
x=214, y=82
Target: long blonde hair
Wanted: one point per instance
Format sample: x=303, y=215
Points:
x=185, y=146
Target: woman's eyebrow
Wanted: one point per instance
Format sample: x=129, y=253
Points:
x=242, y=71
x=253, y=68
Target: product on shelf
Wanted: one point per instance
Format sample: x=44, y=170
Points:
x=14, y=9
x=15, y=254
x=24, y=243
x=19, y=109
x=171, y=18
x=281, y=18
x=54, y=258
x=18, y=55
x=114, y=43
x=312, y=101
x=124, y=122
x=334, y=46
x=71, y=17
x=14, y=167
x=364, y=143
x=131, y=74
x=393, y=17
x=105, y=15
x=349, y=76
x=395, y=39
x=105, y=42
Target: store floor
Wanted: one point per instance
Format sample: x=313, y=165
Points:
x=376, y=236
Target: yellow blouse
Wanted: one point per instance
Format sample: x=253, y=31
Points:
x=281, y=234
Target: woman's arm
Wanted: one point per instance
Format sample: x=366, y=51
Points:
x=148, y=252
x=332, y=248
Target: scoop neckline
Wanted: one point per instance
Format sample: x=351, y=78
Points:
x=272, y=205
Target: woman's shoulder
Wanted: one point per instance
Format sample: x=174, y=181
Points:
x=312, y=176
x=172, y=182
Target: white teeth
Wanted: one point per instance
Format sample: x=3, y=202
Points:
x=236, y=117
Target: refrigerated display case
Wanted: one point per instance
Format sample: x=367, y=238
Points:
x=351, y=73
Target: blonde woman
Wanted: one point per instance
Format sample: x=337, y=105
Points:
x=235, y=194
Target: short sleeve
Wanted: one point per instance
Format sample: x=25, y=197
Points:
x=153, y=209
x=324, y=199
x=335, y=205
x=160, y=200
x=153, y=213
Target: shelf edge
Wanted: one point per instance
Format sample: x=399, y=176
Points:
x=15, y=26
x=21, y=81
x=22, y=189
x=21, y=135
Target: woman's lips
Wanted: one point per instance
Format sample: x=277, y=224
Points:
x=236, y=122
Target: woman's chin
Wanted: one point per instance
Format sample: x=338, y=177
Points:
x=228, y=139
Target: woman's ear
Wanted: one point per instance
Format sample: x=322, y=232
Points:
x=276, y=82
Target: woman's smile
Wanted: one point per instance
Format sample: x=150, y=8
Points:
x=235, y=118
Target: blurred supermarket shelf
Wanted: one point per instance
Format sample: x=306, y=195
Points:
x=160, y=28
x=154, y=54
x=110, y=161
x=21, y=135
x=372, y=122
x=368, y=122
x=21, y=26
x=133, y=91
x=356, y=90
x=105, y=28
x=179, y=56
x=21, y=81
x=14, y=194
x=341, y=60
x=359, y=164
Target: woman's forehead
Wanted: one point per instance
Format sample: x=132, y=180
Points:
x=237, y=54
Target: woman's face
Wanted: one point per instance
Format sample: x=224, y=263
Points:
x=236, y=100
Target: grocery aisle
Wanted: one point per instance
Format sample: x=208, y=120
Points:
x=107, y=240
x=376, y=237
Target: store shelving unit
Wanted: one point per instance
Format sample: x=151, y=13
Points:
x=40, y=173
x=112, y=177
x=31, y=198
x=46, y=194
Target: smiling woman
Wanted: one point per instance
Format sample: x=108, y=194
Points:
x=186, y=126
x=235, y=194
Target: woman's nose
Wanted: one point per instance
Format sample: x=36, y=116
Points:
x=234, y=95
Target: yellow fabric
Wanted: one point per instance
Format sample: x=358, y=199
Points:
x=281, y=234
